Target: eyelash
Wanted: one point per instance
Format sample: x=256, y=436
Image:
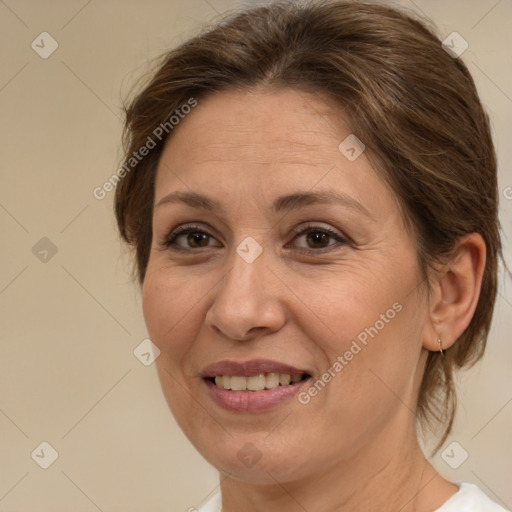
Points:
x=169, y=241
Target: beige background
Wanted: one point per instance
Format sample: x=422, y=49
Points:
x=69, y=326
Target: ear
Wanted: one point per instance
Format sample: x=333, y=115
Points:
x=455, y=292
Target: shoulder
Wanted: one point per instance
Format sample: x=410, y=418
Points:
x=470, y=498
x=212, y=505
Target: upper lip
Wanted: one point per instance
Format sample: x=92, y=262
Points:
x=249, y=368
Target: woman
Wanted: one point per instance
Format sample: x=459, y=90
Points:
x=310, y=190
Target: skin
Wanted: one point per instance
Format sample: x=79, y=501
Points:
x=354, y=445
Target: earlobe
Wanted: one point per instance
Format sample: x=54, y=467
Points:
x=456, y=290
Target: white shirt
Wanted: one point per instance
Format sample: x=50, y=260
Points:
x=469, y=498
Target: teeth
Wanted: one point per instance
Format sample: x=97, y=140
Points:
x=284, y=379
x=238, y=383
x=272, y=380
x=256, y=382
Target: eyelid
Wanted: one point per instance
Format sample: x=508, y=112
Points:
x=168, y=240
x=315, y=227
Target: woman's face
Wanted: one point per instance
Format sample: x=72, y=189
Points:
x=277, y=281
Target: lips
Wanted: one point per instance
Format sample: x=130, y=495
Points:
x=251, y=386
x=250, y=368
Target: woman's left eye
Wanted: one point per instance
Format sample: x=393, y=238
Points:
x=317, y=237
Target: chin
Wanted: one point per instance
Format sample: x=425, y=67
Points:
x=251, y=459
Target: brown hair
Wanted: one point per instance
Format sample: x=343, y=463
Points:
x=413, y=105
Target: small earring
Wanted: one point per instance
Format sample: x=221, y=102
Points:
x=440, y=345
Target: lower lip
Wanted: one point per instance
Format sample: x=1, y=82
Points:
x=252, y=401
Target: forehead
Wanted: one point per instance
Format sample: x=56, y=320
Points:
x=266, y=125
x=263, y=142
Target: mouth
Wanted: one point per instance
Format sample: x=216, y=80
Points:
x=252, y=386
x=259, y=382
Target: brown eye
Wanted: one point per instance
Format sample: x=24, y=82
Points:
x=317, y=237
x=195, y=239
x=190, y=237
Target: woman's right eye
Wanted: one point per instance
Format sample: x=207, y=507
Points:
x=188, y=237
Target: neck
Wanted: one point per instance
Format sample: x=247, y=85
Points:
x=399, y=478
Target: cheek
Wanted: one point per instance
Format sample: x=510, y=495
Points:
x=168, y=314
x=350, y=305
x=155, y=302
x=375, y=327
x=377, y=376
x=173, y=306
x=165, y=308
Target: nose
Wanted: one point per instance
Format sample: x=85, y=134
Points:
x=248, y=302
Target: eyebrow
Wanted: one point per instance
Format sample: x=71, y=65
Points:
x=286, y=203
